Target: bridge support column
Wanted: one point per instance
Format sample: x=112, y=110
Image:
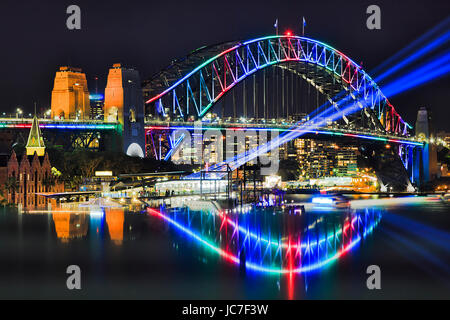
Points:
x=425, y=164
x=417, y=166
x=124, y=104
x=410, y=163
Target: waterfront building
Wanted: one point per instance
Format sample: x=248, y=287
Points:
x=319, y=158
x=346, y=160
x=23, y=177
x=70, y=95
x=444, y=138
x=288, y=151
x=214, y=147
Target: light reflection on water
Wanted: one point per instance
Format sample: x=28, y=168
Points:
x=272, y=240
x=75, y=225
x=142, y=255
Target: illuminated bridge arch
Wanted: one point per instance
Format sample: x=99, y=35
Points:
x=193, y=85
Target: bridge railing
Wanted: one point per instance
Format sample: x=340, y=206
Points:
x=47, y=120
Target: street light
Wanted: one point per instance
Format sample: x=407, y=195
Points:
x=18, y=112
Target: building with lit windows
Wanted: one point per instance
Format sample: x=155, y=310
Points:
x=318, y=158
x=346, y=160
x=23, y=178
x=443, y=138
x=97, y=102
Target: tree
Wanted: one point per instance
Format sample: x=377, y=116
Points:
x=88, y=163
x=289, y=170
x=74, y=182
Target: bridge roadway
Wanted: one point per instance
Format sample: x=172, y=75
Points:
x=332, y=130
x=72, y=124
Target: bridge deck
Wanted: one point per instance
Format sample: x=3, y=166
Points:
x=283, y=127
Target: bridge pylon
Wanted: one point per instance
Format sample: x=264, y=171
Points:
x=124, y=104
x=427, y=157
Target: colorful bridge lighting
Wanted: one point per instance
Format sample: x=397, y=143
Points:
x=261, y=53
x=298, y=129
x=206, y=83
x=294, y=255
x=346, y=106
x=242, y=158
x=61, y=126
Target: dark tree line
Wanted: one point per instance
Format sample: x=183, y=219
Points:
x=81, y=164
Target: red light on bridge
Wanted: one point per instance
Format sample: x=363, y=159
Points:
x=288, y=33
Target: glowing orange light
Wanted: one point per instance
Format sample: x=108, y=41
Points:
x=388, y=146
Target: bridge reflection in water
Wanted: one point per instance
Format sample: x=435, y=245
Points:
x=273, y=241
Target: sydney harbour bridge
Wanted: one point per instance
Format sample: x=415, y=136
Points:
x=295, y=86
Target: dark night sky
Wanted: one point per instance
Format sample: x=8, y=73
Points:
x=148, y=34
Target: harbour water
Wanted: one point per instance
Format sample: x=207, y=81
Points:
x=242, y=253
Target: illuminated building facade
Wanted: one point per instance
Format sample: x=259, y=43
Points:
x=22, y=178
x=216, y=146
x=70, y=95
x=444, y=138
x=346, y=160
x=314, y=158
x=318, y=158
x=124, y=104
x=97, y=102
x=288, y=151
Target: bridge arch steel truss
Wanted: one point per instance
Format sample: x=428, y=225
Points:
x=192, y=85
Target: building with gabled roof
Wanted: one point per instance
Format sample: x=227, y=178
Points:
x=24, y=177
x=35, y=142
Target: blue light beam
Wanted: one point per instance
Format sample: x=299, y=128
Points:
x=437, y=68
